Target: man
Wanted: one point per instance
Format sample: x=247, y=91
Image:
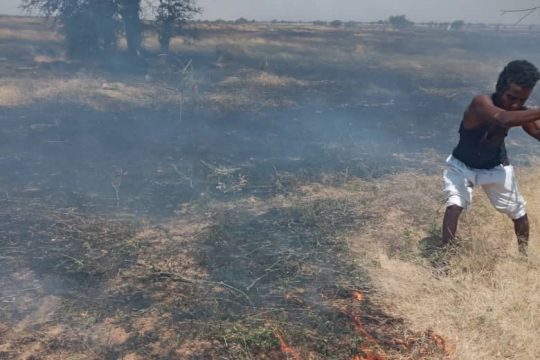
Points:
x=480, y=157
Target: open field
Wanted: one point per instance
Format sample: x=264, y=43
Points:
x=268, y=191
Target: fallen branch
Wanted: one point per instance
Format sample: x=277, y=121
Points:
x=267, y=271
x=180, y=278
x=528, y=12
x=520, y=10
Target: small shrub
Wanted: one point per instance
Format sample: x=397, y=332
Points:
x=241, y=20
x=336, y=23
x=400, y=22
x=457, y=25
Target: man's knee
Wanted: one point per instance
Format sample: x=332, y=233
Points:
x=514, y=211
x=461, y=200
x=522, y=220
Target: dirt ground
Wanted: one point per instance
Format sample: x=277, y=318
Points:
x=230, y=200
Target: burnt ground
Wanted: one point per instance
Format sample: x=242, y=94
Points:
x=149, y=230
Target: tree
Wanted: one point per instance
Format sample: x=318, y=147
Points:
x=400, y=22
x=91, y=26
x=172, y=14
x=130, y=10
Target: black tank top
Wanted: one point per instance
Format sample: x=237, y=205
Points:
x=482, y=147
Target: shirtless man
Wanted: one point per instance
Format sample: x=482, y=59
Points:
x=480, y=157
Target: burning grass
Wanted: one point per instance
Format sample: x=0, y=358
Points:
x=242, y=283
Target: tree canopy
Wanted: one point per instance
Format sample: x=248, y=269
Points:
x=171, y=14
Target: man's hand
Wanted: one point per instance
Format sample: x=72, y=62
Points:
x=533, y=129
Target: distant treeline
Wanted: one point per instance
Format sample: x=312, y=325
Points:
x=396, y=22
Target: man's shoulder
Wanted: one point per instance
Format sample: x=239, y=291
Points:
x=482, y=100
x=472, y=116
x=479, y=102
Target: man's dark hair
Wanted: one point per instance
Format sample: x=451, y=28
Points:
x=519, y=72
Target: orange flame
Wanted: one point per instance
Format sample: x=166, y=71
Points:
x=357, y=322
x=442, y=344
x=368, y=355
x=286, y=349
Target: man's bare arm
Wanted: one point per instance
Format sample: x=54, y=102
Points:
x=483, y=110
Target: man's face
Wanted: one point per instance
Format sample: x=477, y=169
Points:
x=514, y=97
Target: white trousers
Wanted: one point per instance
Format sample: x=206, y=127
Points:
x=499, y=184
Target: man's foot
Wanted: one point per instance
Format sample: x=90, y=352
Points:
x=445, y=245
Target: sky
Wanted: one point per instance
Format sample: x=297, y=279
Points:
x=487, y=11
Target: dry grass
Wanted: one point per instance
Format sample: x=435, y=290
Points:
x=12, y=95
x=288, y=53
x=276, y=276
x=83, y=89
x=482, y=297
x=28, y=29
x=29, y=35
x=262, y=79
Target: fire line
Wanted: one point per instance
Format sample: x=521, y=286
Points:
x=286, y=349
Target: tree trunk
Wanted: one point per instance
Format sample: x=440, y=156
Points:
x=165, y=35
x=130, y=11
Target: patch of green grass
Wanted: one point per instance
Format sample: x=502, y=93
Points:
x=261, y=339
